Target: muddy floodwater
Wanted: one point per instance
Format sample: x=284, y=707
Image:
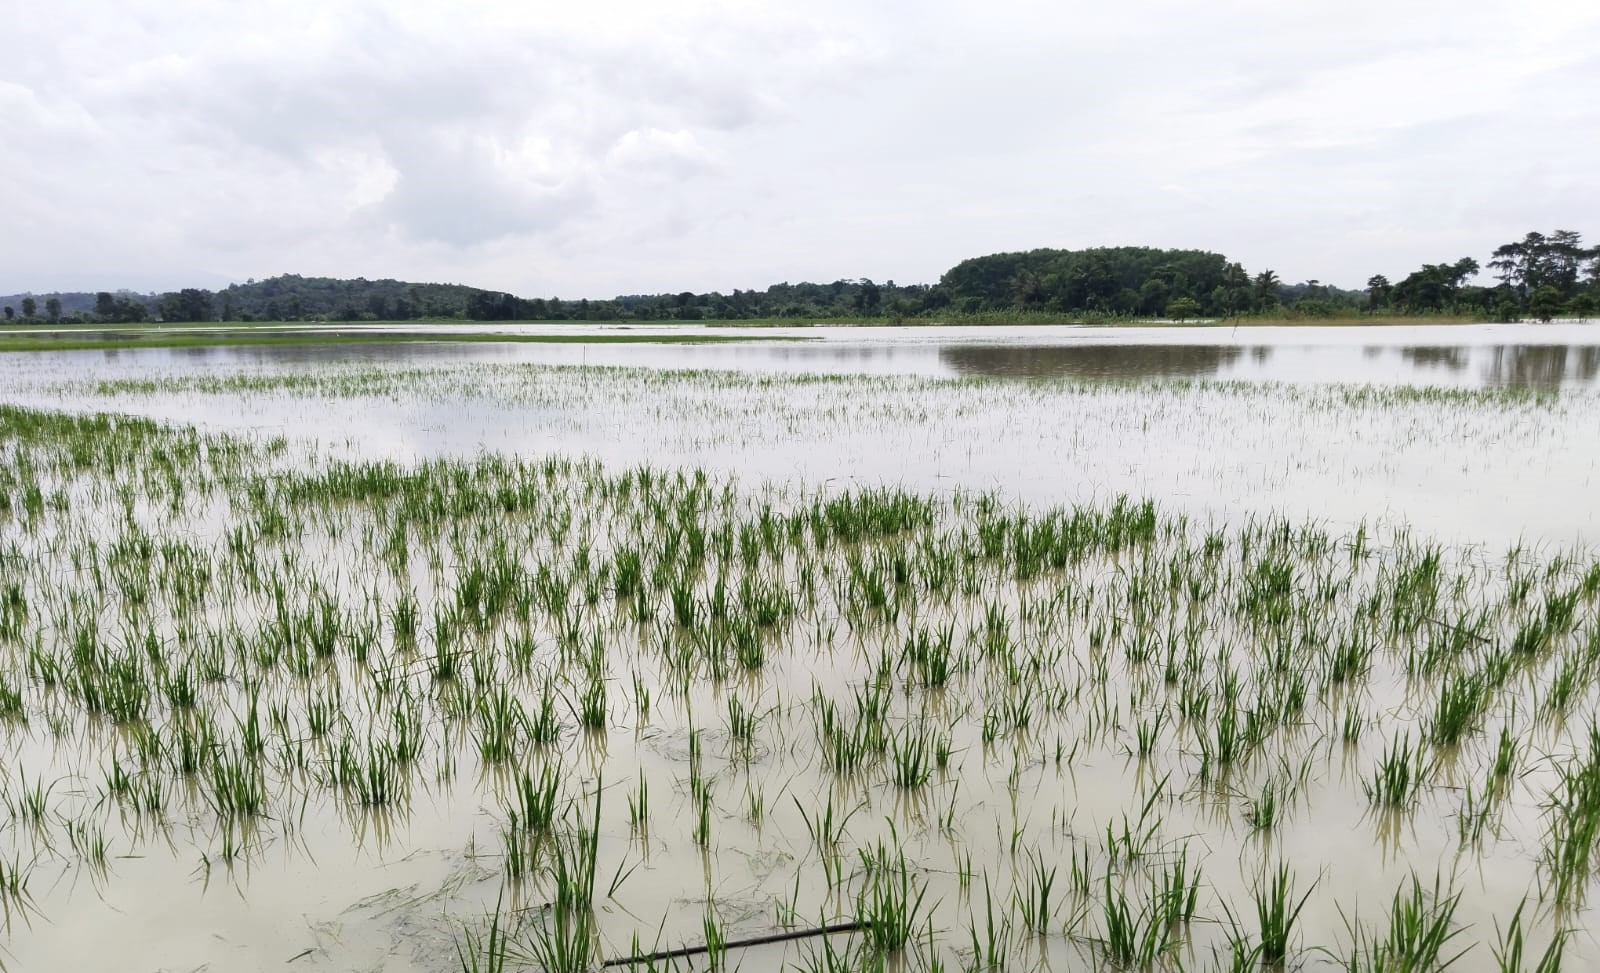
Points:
x=1017, y=648
x=1206, y=419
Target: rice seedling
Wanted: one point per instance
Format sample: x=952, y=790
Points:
x=488, y=953
x=1420, y=932
x=14, y=895
x=1395, y=782
x=333, y=631
x=1461, y=701
x=573, y=859
x=1511, y=945
x=1277, y=912
x=1032, y=893
x=911, y=753
x=1131, y=936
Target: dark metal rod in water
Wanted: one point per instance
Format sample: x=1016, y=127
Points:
x=777, y=937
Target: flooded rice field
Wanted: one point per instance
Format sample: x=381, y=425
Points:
x=1044, y=652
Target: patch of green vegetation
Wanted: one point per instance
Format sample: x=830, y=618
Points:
x=210, y=643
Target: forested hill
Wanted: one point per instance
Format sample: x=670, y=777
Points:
x=1539, y=276
x=1128, y=280
x=292, y=297
x=289, y=297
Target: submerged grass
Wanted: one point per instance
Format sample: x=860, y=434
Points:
x=874, y=696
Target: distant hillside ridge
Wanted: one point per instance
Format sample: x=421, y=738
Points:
x=1539, y=276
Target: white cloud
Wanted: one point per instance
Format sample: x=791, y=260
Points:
x=591, y=149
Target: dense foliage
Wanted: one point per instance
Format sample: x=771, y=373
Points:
x=1539, y=277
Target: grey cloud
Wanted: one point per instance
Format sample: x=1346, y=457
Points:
x=623, y=146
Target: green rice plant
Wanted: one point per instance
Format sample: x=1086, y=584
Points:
x=742, y=724
x=123, y=689
x=1177, y=891
x=911, y=751
x=89, y=844
x=1277, y=912
x=639, y=807
x=1462, y=698
x=519, y=847
x=543, y=725
x=1261, y=812
x=1243, y=956
x=1031, y=893
x=1352, y=724
x=685, y=608
x=252, y=741
x=827, y=829
x=1473, y=818
x=373, y=778
x=534, y=799
x=236, y=786
x=1566, y=686
x=930, y=654
x=590, y=708
x=1148, y=733
x=991, y=946
x=641, y=698
x=30, y=807
x=744, y=637
x=1349, y=660
x=573, y=859
x=1507, y=756
x=1133, y=840
x=702, y=815
x=825, y=958
x=487, y=953
x=14, y=894
x=889, y=903
x=1131, y=937
x=1573, y=833
x=500, y=726
x=1395, y=782
x=716, y=941
x=1421, y=928
x=179, y=686
x=403, y=622
x=1511, y=944
x=756, y=803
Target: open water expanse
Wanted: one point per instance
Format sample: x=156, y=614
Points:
x=1025, y=648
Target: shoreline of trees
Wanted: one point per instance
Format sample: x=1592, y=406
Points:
x=1541, y=277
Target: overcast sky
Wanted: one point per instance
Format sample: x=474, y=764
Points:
x=590, y=149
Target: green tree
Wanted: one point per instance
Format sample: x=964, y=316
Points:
x=1538, y=261
x=1379, y=290
x=1183, y=309
x=1435, y=287
x=1545, y=303
x=1266, y=288
x=1236, y=289
x=105, y=306
x=189, y=304
x=52, y=309
x=868, y=297
x=1511, y=262
x=28, y=307
x=10, y=312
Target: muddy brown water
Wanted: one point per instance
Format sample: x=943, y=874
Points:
x=1057, y=424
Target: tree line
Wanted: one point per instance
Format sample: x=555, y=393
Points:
x=1540, y=276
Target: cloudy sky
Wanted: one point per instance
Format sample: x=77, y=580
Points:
x=590, y=149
